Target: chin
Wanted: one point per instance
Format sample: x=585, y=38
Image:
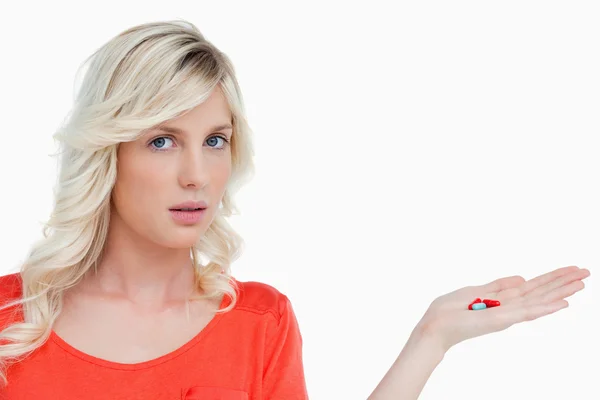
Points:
x=182, y=238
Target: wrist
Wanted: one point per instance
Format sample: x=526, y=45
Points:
x=411, y=369
x=429, y=343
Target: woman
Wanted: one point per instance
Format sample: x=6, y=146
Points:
x=130, y=294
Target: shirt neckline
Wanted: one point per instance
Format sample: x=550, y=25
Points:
x=144, y=364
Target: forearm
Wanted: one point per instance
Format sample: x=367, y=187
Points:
x=408, y=375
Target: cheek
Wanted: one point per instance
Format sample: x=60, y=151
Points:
x=219, y=179
x=222, y=172
x=138, y=186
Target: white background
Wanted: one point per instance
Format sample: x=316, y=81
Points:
x=403, y=151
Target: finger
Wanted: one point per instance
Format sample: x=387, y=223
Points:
x=508, y=316
x=559, y=282
x=532, y=312
x=518, y=292
x=503, y=284
x=544, y=279
x=560, y=293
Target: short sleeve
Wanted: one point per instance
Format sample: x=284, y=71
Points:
x=284, y=371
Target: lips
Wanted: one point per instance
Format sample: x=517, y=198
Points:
x=184, y=217
x=189, y=206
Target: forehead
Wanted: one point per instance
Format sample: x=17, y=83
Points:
x=213, y=114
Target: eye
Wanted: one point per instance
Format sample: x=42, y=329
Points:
x=161, y=143
x=212, y=139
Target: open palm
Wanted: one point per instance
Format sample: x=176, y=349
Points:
x=449, y=319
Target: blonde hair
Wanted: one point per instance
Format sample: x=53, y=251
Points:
x=142, y=77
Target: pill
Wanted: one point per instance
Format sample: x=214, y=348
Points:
x=478, y=306
x=491, y=303
x=477, y=300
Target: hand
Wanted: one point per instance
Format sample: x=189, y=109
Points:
x=450, y=322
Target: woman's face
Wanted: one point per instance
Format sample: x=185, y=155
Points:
x=188, y=160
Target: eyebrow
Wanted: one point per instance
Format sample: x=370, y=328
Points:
x=176, y=131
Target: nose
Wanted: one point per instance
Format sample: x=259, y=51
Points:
x=193, y=170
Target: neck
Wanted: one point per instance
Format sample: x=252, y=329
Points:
x=141, y=271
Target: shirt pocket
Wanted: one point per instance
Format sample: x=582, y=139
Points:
x=212, y=393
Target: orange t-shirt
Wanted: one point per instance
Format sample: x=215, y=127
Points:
x=251, y=352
